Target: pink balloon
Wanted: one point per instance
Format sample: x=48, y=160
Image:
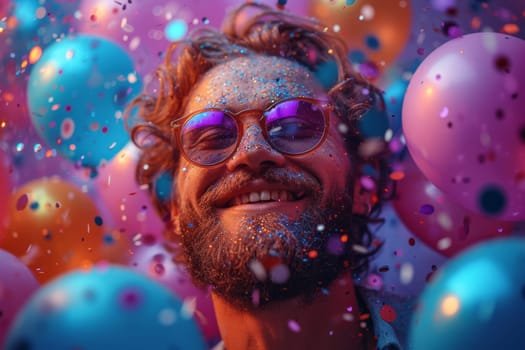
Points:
x=4, y=5
x=155, y=260
x=128, y=204
x=441, y=223
x=463, y=122
x=17, y=284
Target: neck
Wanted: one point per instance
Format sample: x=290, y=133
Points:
x=330, y=321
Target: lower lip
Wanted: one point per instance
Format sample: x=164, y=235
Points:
x=286, y=207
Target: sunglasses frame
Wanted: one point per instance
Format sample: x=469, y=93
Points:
x=324, y=106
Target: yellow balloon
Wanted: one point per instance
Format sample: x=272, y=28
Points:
x=378, y=28
x=54, y=227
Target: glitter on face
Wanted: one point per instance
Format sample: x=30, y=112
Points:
x=272, y=86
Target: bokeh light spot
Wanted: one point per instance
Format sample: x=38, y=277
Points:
x=176, y=30
x=450, y=305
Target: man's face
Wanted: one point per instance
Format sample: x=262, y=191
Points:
x=262, y=225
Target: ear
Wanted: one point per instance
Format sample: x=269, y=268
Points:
x=363, y=199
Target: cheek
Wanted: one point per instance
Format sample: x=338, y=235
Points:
x=337, y=168
x=332, y=166
x=192, y=182
x=336, y=160
x=184, y=184
x=337, y=152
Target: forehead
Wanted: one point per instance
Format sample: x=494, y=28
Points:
x=252, y=82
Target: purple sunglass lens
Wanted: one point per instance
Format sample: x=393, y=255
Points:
x=295, y=126
x=209, y=137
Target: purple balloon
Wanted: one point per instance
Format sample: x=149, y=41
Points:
x=463, y=122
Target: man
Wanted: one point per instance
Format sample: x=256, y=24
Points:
x=266, y=160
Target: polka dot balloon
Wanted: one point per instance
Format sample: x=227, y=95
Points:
x=77, y=93
x=463, y=122
x=54, y=227
x=108, y=307
x=438, y=221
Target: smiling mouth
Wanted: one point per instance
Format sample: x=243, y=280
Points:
x=265, y=196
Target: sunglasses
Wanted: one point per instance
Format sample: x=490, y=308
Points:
x=294, y=127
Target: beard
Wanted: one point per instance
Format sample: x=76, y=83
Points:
x=271, y=257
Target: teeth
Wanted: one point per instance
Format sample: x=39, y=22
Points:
x=265, y=195
x=254, y=197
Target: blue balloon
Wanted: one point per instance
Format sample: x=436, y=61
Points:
x=77, y=93
x=163, y=186
x=108, y=307
x=475, y=301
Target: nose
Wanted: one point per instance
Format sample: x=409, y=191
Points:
x=254, y=152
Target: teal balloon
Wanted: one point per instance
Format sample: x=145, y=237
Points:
x=373, y=124
x=326, y=74
x=77, y=93
x=394, y=95
x=475, y=301
x=106, y=308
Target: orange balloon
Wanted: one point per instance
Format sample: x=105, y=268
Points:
x=378, y=28
x=53, y=227
x=5, y=184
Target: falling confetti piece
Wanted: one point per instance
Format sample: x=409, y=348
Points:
x=98, y=221
x=22, y=201
x=388, y=313
x=294, y=326
x=406, y=274
x=426, y=209
x=280, y=274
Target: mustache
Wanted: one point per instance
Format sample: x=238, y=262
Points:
x=236, y=181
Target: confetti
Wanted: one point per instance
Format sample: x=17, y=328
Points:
x=294, y=326
x=388, y=313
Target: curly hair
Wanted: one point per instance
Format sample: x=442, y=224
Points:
x=255, y=29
